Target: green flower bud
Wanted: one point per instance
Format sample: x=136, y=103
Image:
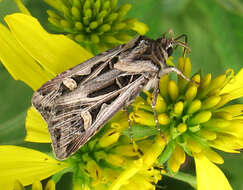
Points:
x=163, y=119
x=94, y=20
x=95, y=38
x=104, y=28
x=75, y=13
x=65, y=24
x=119, y=26
x=194, y=107
x=54, y=21
x=111, y=17
x=93, y=25
x=210, y=102
x=110, y=39
x=181, y=128
x=178, y=108
x=79, y=25
x=173, y=90
x=79, y=38
x=191, y=93
x=124, y=9
x=201, y=117
x=77, y=3
x=113, y=4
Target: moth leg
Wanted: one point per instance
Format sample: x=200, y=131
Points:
x=135, y=147
x=154, y=100
x=170, y=69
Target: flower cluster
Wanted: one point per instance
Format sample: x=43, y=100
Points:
x=111, y=161
x=97, y=25
x=192, y=116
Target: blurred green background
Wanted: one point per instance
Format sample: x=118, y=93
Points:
x=215, y=31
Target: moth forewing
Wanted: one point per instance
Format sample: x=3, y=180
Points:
x=79, y=101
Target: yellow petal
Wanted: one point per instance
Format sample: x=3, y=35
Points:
x=143, y=163
x=37, y=185
x=36, y=127
x=236, y=83
x=18, y=186
x=140, y=28
x=234, y=110
x=56, y=53
x=235, y=94
x=18, y=63
x=209, y=176
x=25, y=165
x=227, y=143
x=50, y=185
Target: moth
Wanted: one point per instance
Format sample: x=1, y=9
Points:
x=78, y=102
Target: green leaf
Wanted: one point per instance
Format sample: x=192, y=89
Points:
x=139, y=131
x=190, y=179
x=56, y=177
x=166, y=154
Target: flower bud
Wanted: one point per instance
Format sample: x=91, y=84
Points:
x=163, y=86
x=178, y=108
x=142, y=117
x=173, y=90
x=37, y=185
x=210, y=102
x=75, y=13
x=204, y=85
x=181, y=128
x=49, y=186
x=207, y=134
x=65, y=23
x=184, y=64
x=79, y=25
x=125, y=150
x=140, y=28
x=191, y=93
x=115, y=159
x=194, y=107
x=201, y=117
x=193, y=145
x=110, y=137
x=95, y=38
x=163, y=119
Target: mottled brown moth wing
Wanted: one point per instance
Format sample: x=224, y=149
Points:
x=79, y=101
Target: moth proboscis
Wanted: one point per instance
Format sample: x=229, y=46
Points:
x=78, y=102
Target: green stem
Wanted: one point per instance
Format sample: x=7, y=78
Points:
x=190, y=179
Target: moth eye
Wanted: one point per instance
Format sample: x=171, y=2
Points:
x=170, y=51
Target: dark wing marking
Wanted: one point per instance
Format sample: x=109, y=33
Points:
x=68, y=128
x=43, y=98
x=75, y=102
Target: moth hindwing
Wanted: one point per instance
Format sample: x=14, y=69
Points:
x=78, y=102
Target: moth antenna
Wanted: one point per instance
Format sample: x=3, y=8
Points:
x=182, y=36
x=183, y=45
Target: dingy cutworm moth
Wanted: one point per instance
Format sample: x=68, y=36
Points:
x=79, y=101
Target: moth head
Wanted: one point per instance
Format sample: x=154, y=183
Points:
x=169, y=44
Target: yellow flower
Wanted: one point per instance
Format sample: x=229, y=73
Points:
x=29, y=54
x=97, y=25
x=25, y=165
x=209, y=176
x=102, y=160
x=195, y=118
